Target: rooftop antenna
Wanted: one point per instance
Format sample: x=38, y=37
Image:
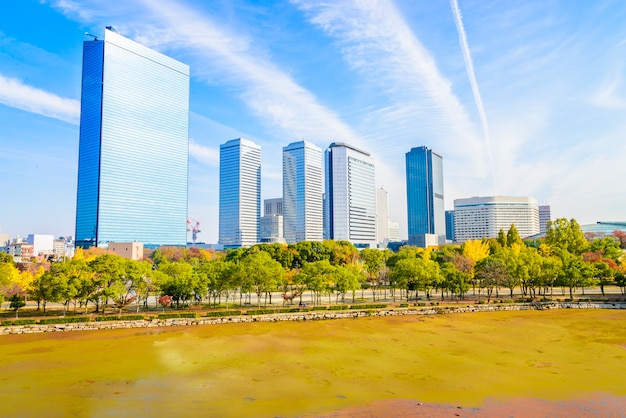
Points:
x=95, y=38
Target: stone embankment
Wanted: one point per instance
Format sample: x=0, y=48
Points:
x=302, y=316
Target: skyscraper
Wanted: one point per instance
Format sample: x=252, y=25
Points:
x=382, y=217
x=302, y=192
x=424, y=192
x=240, y=193
x=350, y=199
x=544, y=217
x=133, y=152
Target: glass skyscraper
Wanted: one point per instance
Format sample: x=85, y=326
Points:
x=350, y=199
x=133, y=152
x=302, y=192
x=424, y=192
x=240, y=193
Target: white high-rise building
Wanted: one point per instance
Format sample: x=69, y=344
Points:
x=483, y=217
x=272, y=221
x=350, y=199
x=240, y=193
x=302, y=192
x=382, y=217
x=42, y=244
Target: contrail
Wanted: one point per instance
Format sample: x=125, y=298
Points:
x=469, y=66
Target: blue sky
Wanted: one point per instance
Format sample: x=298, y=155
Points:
x=522, y=98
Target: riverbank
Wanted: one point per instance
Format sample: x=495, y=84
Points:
x=155, y=322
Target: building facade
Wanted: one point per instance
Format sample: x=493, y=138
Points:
x=133, y=152
x=350, y=198
x=424, y=191
x=382, y=217
x=483, y=217
x=302, y=192
x=271, y=227
x=240, y=193
x=544, y=216
x=450, y=225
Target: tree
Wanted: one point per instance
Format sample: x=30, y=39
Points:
x=374, y=263
x=490, y=272
x=502, y=238
x=263, y=272
x=177, y=281
x=347, y=279
x=47, y=288
x=107, y=269
x=512, y=237
x=318, y=277
x=566, y=235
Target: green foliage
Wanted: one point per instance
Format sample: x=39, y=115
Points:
x=107, y=318
x=338, y=307
x=566, y=236
x=168, y=315
x=320, y=308
x=19, y=322
x=66, y=320
x=370, y=306
x=404, y=305
x=223, y=313
x=260, y=311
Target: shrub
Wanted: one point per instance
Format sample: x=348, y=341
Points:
x=421, y=304
x=320, y=308
x=169, y=315
x=18, y=322
x=189, y=315
x=370, y=306
x=338, y=307
x=404, y=305
x=107, y=318
x=223, y=313
x=260, y=311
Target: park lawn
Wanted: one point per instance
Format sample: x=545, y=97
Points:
x=289, y=369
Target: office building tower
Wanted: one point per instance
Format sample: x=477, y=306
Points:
x=240, y=193
x=424, y=191
x=394, y=231
x=483, y=217
x=273, y=206
x=302, y=192
x=272, y=221
x=450, y=225
x=382, y=217
x=350, y=198
x=544, y=217
x=133, y=152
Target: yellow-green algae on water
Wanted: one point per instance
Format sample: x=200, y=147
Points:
x=289, y=368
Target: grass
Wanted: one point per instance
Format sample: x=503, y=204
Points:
x=289, y=369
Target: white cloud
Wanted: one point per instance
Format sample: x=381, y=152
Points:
x=376, y=41
x=206, y=155
x=14, y=93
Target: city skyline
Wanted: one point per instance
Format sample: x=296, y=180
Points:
x=519, y=99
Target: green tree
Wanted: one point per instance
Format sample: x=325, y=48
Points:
x=177, y=281
x=512, y=237
x=566, y=235
x=47, y=288
x=490, y=272
x=263, y=272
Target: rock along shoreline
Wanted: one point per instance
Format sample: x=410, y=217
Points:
x=300, y=316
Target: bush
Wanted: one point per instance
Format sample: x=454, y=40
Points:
x=289, y=310
x=169, y=315
x=420, y=304
x=189, y=315
x=260, y=311
x=338, y=307
x=404, y=305
x=370, y=306
x=320, y=308
x=223, y=313
x=67, y=320
x=107, y=318
x=18, y=322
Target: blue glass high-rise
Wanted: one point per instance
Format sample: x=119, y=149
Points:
x=424, y=191
x=302, y=192
x=134, y=142
x=240, y=193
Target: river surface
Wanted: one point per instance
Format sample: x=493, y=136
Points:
x=321, y=367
